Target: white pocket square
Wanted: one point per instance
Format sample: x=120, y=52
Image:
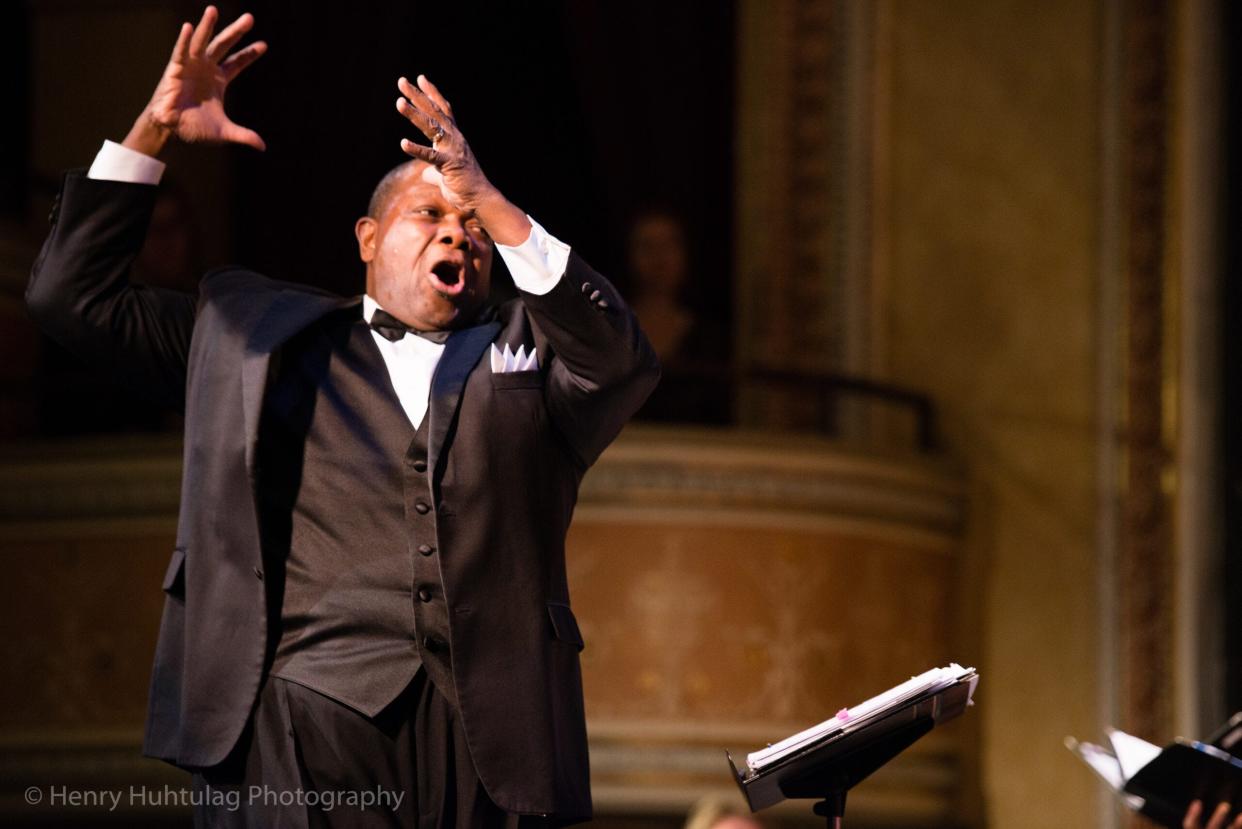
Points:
x=507, y=362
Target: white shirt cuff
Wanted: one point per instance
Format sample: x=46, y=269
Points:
x=538, y=263
x=117, y=163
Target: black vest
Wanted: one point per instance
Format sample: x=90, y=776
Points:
x=347, y=502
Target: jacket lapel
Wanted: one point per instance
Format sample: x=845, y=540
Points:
x=289, y=313
x=461, y=355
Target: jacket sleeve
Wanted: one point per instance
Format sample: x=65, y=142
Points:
x=602, y=369
x=80, y=294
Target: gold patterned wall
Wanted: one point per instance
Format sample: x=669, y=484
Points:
x=731, y=588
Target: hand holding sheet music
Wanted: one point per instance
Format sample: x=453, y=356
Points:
x=1164, y=783
x=1216, y=819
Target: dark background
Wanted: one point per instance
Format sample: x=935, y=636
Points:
x=582, y=113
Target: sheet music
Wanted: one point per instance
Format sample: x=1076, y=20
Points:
x=1101, y=761
x=850, y=718
x=1132, y=752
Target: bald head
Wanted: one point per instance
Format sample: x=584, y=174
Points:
x=388, y=185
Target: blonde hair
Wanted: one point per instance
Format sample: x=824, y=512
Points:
x=711, y=810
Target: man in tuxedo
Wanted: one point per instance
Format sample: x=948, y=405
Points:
x=368, y=592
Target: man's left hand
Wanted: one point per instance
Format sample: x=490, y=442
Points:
x=460, y=178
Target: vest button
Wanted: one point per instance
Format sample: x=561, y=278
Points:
x=420, y=465
x=421, y=508
x=433, y=643
x=424, y=595
x=426, y=549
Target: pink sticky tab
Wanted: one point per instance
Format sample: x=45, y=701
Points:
x=843, y=714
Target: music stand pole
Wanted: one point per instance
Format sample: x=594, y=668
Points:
x=832, y=807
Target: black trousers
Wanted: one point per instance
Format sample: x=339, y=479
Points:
x=306, y=761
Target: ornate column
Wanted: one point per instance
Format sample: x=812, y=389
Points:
x=803, y=190
x=1146, y=550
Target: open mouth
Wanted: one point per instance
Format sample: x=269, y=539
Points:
x=448, y=278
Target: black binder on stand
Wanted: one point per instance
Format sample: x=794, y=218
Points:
x=827, y=766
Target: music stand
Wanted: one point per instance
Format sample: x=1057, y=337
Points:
x=827, y=769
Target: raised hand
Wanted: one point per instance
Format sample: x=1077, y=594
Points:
x=460, y=177
x=464, y=184
x=188, y=102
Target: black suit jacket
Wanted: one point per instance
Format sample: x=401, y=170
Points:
x=507, y=453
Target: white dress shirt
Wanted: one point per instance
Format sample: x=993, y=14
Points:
x=411, y=362
x=536, y=266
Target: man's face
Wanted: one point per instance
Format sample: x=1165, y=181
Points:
x=428, y=264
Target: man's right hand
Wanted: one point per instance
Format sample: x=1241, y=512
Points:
x=188, y=103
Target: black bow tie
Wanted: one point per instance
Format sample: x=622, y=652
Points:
x=391, y=328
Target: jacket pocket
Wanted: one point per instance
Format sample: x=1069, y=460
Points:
x=174, y=576
x=517, y=379
x=564, y=625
